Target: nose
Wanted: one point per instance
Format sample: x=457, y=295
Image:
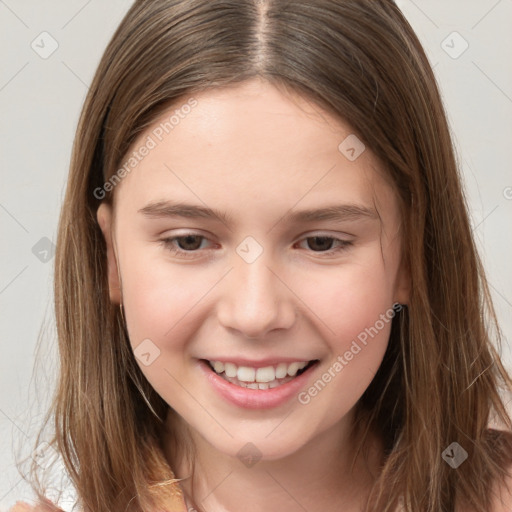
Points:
x=255, y=300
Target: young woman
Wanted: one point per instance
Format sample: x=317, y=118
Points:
x=267, y=292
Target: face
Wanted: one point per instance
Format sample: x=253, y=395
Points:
x=248, y=236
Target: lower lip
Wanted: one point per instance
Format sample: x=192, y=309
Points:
x=255, y=398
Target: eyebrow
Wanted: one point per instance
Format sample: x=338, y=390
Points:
x=341, y=212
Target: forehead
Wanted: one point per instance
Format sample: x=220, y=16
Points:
x=251, y=144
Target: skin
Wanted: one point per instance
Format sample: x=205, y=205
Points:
x=258, y=154
x=289, y=302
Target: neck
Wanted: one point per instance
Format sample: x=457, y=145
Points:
x=322, y=475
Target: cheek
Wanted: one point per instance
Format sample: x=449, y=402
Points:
x=159, y=297
x=354, y=304
x=351, y=297
x=161, y=305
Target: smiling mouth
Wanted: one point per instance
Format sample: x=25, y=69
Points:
x=262, y=378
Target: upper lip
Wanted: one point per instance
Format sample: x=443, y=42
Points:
x=260, y=363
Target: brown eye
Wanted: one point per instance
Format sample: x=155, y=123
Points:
x=185, y=246
x=320, y=243
x=189, y=242
x=327, y=245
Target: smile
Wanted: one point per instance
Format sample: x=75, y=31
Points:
x=266, y=377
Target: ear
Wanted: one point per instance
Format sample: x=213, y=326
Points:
x=104, y=217
x=403, y=285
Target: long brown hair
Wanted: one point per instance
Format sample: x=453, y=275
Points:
x=359, y=59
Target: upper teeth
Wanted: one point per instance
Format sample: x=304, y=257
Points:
x=265, y=374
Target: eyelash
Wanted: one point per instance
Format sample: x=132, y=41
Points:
x=168, y=243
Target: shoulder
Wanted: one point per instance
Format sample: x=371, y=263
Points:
x=47, y=506
x=502, y=494
x=502, y=490
x=21, y=507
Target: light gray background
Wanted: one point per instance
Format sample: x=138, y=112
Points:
x=40, y=101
